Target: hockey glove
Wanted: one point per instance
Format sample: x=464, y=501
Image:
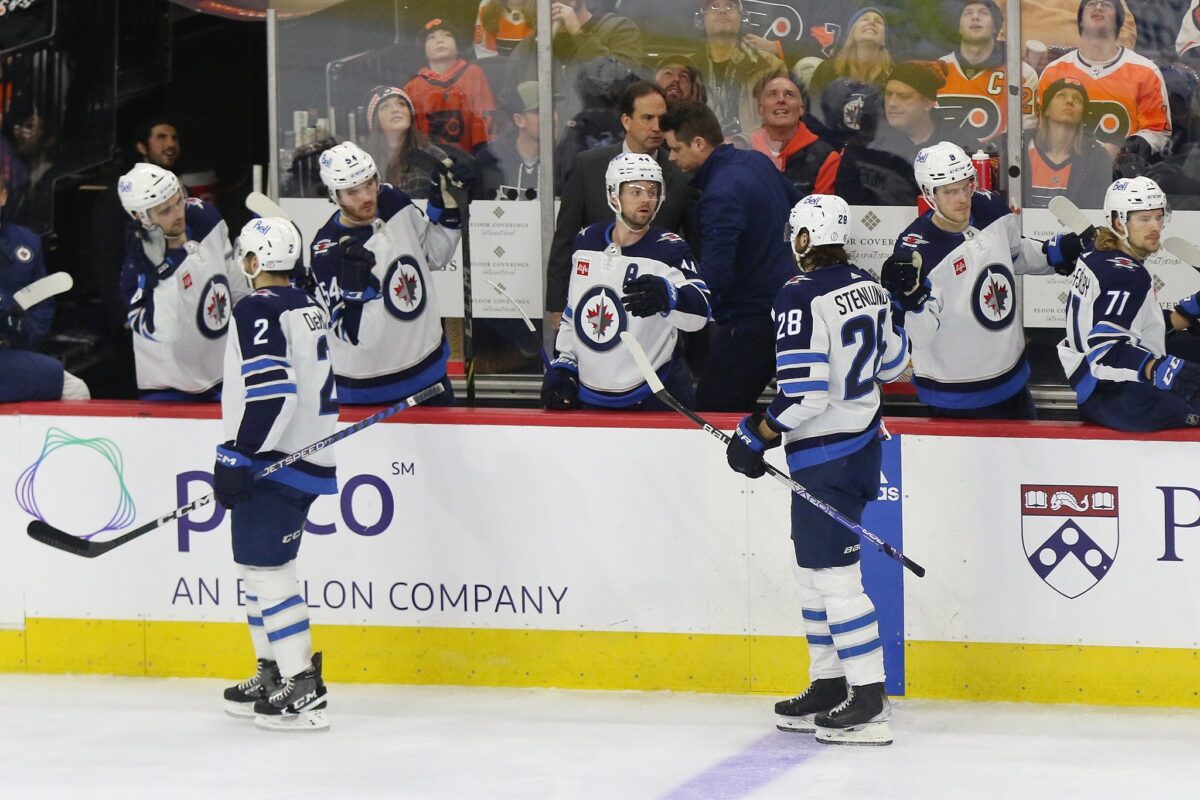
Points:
x=746, y=447
x=1179, y=377
x=1189, y=307
x=560, y=389
x=354, y=277
x=1062, y=250
x=233, y=473
x=902, y=279
x=647, y=295
x=147, y=249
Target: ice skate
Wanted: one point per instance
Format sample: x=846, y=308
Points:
x=298, y=704
x=796, y=715
x=240, y=699
x=861, y=719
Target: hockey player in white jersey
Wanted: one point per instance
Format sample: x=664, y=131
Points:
x=374, y=261
x=279, y=397
x=835, y=340
x=626, y=276
x=1116, y=352
x=180, y=283
x=952, y=277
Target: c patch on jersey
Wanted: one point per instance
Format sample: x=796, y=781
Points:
x=599, y=319
x=404, y=289
x=212, y=315
x=994, y=297
x=1070, y=534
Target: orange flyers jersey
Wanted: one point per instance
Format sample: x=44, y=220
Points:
x=978, y=104
x=512, y=27
x=1126, y=96
x=1046, y=179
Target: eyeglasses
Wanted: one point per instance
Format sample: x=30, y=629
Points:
x=722, y=8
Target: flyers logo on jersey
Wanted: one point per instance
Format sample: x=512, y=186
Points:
x=582, y=267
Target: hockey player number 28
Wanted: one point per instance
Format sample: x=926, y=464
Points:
x=868, y=335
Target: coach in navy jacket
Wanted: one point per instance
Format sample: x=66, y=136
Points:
x=744, y=256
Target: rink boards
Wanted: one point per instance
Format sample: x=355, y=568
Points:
x=521, y=548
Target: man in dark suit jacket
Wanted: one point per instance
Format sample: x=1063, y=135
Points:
x=584, y=201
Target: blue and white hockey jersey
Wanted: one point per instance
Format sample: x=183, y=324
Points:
x=179, y=323
x=279, y=393
x=968, y=343
x=391, y=346
x=1114, y=323
x=589, y=336
x=835, y=338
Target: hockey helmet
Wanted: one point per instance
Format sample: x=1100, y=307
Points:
x=1133, y=194
x=345, y=166
x=144, y=187
x=632, y=167
x=274, y=240
x=941, y=164
x=826, y=217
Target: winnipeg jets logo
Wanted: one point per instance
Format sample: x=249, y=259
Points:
x=212, y=315
x=404, y=289
x=994, y=297
x=600, y=318
x=1070, y=534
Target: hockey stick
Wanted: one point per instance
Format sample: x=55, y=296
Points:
x=48, y=534
x=264, y=206
x=528, y=322
x=660, y=391
x=1069, y=215
x=42, y=289
x=1184, y=250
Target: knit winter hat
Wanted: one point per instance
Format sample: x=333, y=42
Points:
x=854, y=18
x=381, y=93
x=993, y=9
x=926, y=77
x=1066, y=82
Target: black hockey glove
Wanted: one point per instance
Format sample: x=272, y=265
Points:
x=560, y=389
x=354, y=277
x=14, y=329
x=745, y=449
x=232, y=474
x=1062, y=250
x=902, y=279
x=647, y=295
x=1179, y=377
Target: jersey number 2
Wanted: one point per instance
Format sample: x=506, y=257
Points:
x=867, y=333
x=328, y=406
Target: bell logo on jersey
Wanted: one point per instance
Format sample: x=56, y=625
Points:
x=993, y=298
x=212, y=315
x=404, y=290
x=1070, y=559
x=599, y=319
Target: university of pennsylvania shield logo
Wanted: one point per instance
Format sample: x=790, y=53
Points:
x=1070, y=534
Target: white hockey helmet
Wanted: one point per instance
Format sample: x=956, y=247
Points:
x=274, y=241
x=1133, y=194
x=145, y=187
x=941, y=164
x=632, y=167
x=345, y=166
x=825, y=216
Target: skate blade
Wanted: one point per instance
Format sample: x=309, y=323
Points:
x=239, y=710
x=871, y=734
x=803, y=724
x=303, y=722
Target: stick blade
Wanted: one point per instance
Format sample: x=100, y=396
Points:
x=264, y=206
x=43, y=289
x=61, y=540
x=1069, y=215
x=642, y=361
x=1184, y=250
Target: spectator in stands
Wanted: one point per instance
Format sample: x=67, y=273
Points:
x=501, y=25
x=1158, y=26
x=865, y=176
x=394, y=137
x=584, y=201
x=599, y=85
x=1187, y=42
x=909, y=96
x=453, y=101
x=1063, y=158
x=1128, y=108
x=973, y=98
x=507, y=166
x=730, y=67
x=34, y=139
x=579, y=37
x=1056, y=22
x=862, y=54
x=808, y=162
x=743, y=206
x=680, y=79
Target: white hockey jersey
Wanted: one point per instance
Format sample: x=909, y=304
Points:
x=835, y=337
x=279, y=393
x=589, y=336
x=391, y=346
x=1114, y=323
x=179, y=323
x=968, y=343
